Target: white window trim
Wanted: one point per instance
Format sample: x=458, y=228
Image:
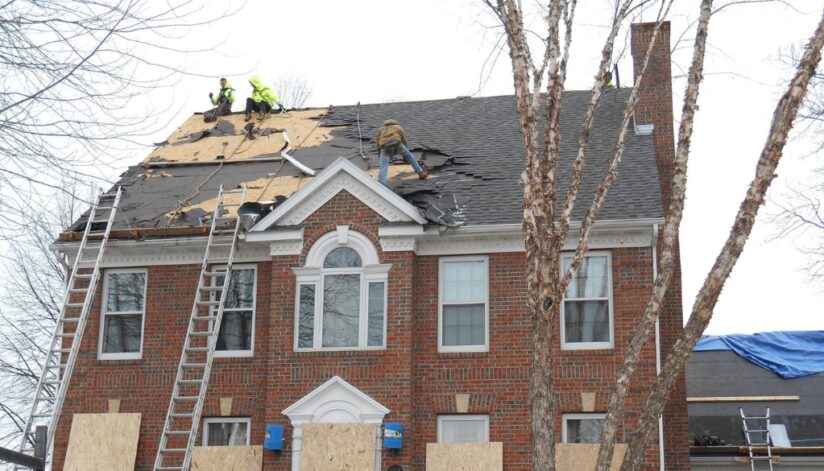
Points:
x=225, y=420
x=565, y=418
x=464, y=418
x=462, y=348
x=251, y=351
x=610, y=300
x=103, y=305
x=313, y=274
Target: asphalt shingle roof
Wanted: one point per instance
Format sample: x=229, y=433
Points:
x=481, y=137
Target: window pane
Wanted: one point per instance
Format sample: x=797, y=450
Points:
x=342, y=257
x=227, y=433
x=235, y=331
x=464, y=325
x=121, y=333
x=586, y=321
x=241, y=289
x=591, y=279
x=125, y=292
x=464, y=281
x=341, y=305
x=376, y=314
x=464, y=431
x=306, y=316
x=584, y=430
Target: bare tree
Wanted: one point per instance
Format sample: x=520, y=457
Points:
x=294, y=91
x=546, y=225
x=74, y=73
x=30, y=302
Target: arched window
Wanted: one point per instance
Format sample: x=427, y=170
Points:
x=341, y=295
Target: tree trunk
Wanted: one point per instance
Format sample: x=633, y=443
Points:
x=783, y=118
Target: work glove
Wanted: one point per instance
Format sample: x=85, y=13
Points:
x=211, y=94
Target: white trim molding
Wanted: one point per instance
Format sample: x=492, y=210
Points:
x=341, y=175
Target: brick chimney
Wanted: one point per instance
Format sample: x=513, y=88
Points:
x=655, y=105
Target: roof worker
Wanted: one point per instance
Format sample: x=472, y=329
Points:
x=263, y=99
x=391, y=140
x=223, y=101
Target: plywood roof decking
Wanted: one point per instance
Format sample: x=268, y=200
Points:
x=303, y=127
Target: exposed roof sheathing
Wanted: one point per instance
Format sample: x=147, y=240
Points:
x=472, y=147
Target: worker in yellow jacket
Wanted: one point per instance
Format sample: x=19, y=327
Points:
x=391, y=140
x=263, y=99
x=222, y=102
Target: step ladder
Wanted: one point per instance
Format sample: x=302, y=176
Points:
x=71, y=322
x=183, y=417
x=757, y=433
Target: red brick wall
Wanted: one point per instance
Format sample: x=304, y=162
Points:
x=410, y=377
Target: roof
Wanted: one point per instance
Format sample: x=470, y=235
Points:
x=472, y=146
x=725, y=374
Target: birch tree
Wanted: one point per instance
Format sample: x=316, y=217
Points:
x=546, y=224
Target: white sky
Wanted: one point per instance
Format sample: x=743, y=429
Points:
x=390, y=50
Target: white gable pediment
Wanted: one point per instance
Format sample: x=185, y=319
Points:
x=336, y=401
x=341, y=175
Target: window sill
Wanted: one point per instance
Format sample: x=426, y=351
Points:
x=107, y=357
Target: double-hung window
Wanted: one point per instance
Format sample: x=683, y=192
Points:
x=123, y=309
x=236, y=337
x=463, y=428
x=341, y=295
x=586, y=313
x=226, y=431
x=463, y=321
x=582, y=428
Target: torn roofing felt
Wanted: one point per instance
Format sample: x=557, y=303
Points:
x=472, y=147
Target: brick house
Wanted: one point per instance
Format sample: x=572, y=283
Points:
x=356, y=302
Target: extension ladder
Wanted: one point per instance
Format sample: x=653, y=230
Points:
x=71, y=322
x=758, y=437
x=183, y=417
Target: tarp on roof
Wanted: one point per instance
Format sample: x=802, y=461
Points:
x=787, y=354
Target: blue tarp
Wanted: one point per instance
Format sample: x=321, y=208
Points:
x=787, y=354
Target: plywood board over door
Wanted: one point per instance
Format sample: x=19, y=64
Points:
x=102, y=442
x=583, y=456
x=338, y=447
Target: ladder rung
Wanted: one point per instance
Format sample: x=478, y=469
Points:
x=190, y=381
x=67, y=320
x=194, y=365
x=178, y=432
x=173, y=450
x=212, y=288
x=204, y=318
x=179, y=414
x=78, y=290
x=753, y=430
x=75, y=304
x=208, y=303
x=83, y=275
x=197, y=349
x=201, y=334
x=186, y=398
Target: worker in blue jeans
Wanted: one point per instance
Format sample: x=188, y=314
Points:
x=391, y=140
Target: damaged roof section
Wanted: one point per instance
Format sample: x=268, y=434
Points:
x=472, y=148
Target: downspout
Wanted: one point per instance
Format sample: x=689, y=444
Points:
x=658, y=346
x=285, y=154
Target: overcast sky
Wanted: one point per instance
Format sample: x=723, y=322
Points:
x=389, y=50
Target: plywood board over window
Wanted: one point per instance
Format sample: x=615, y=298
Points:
x=465, y=456
x=102, y=442
x=227, y=458
x=582, y=456
x=338, y=447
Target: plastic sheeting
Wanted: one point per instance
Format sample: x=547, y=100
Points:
x=787, y=354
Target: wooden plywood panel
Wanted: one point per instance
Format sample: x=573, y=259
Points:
x=102, y=442
x=582, y=456
x=227, y=458
x=338, y=447
x=465, y=456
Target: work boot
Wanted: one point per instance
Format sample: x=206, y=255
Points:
x=248, y=116
x=263, y=116
x=423, y=174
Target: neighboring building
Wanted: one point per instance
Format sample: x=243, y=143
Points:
x=782, y=371
x=355, y=302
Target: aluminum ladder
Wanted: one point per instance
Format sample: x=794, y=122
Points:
x=757, y=437
x=71, y=322
x=192, y=380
